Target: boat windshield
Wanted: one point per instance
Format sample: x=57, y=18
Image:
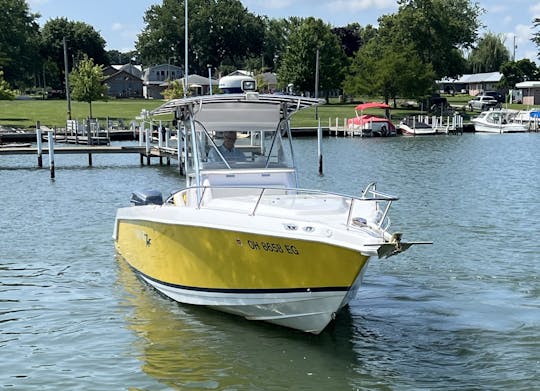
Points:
x=247, y=149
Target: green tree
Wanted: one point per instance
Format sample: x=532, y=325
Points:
x=489, y=55
x=274, y=43
x=6, y=93
x=437, y=29
x=298, y=65
x=536, y=36
x=19, y=36
x=117, y=57
x=175, y=90
x=389, y=71
x=353, y=37
x=221, y=33
x=517, y=71
x=81, y=40
x=85, y=81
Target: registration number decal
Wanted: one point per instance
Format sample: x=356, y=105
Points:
x=272, y=247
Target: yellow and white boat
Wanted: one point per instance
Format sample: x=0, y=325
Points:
x=242, y=237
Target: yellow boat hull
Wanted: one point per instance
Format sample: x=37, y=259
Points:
x=292, y=282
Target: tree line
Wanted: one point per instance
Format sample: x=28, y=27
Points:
x=422, y=42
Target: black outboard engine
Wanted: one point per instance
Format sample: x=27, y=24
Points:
x=146, y=197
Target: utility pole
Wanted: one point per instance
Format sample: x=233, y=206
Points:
x=210, y=77
x=317, y=82
x=68, y=98
x=515, y=46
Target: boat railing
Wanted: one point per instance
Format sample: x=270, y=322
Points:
x=371, y=208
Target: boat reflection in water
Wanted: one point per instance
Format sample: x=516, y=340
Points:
x=192, y=347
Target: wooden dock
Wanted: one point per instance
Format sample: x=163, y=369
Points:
x=74, y=150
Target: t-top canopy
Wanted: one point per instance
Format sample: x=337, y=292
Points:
x=240, y=112
x=372, y=105
x=241, y=117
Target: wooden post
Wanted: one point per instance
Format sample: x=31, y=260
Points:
x=50, y=136
x=90, y=159
x=179, y=149
x=39, y=145
x=160, y=137
x=167, y=137
x=148, y=135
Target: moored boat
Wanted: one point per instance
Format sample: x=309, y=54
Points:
x=367, y=125
x=242, y=236
x=413, y=127
x=500, y=121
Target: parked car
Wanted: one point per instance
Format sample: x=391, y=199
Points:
x=495, y=95
x=482, y=102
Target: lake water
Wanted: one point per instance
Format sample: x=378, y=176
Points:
x=461, y=314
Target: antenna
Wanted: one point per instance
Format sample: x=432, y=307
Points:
x=185, y=47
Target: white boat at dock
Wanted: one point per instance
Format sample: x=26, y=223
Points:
x=423, y=125
x=501, y=121
x=242, y=236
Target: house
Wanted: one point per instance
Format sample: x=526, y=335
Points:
x=530, y=92
x=199, y=85
x=269, y=81
x=123, y=81
x=155, y=79
x=474, y=83
x=240, y=72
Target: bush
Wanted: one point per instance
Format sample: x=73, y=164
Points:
x=6, y=93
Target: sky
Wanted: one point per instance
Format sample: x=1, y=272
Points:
x=119, y=21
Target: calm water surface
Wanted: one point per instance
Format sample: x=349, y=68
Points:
x=461, y=314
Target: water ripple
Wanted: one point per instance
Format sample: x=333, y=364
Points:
x=462, y=313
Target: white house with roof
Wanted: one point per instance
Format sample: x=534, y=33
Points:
x=198, y=85
x=530, y=92
x=474, y=83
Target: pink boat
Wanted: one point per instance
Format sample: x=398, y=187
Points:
x=368, y=125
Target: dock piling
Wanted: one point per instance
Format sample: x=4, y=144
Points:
x=50, y=140
x=148, y=136
x=319, y=147
x=39, y=145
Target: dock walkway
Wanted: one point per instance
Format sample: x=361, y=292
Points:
x=74, y=150
x=145, y=148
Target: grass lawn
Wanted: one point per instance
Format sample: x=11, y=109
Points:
x=53, y=113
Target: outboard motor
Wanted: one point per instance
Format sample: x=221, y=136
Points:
x=146, y=197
